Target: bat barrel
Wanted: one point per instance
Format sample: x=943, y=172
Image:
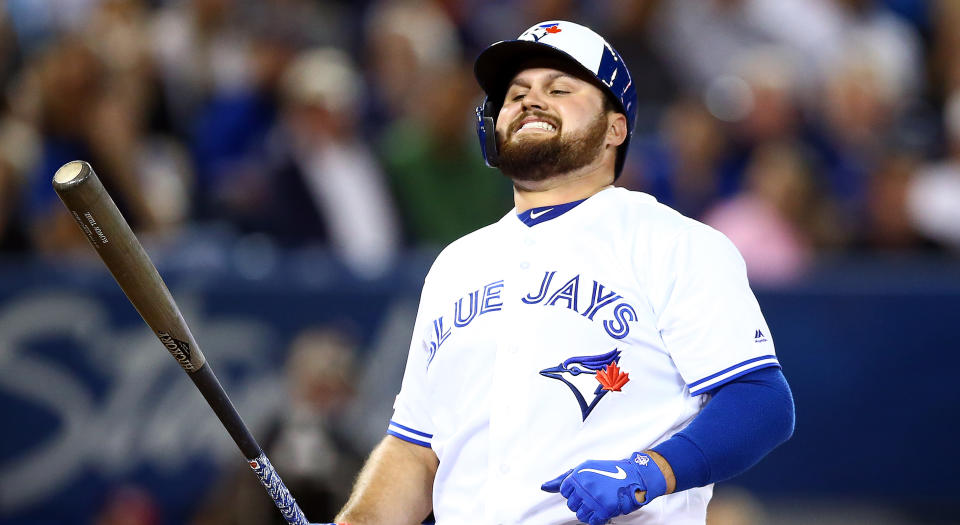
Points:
x=104, y=226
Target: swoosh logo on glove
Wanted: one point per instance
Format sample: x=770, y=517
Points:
x=619, y=474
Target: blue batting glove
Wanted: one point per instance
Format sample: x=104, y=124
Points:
x=598, y=490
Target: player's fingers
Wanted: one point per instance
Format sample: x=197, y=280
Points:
x=567, y=487
x=574, y=502
x=600, y=517
x=554, y=484
x=585, y=514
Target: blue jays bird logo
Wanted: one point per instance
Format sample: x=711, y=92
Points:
x=537, y=32
x=581, y=374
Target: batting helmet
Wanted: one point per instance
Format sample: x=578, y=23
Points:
x=580, y=46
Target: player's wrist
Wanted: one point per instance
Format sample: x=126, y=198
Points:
x=651, y=474
x=665, y=469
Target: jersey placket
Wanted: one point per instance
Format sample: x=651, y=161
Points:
x=509, y=399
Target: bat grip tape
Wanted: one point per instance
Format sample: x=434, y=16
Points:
x=277, y=490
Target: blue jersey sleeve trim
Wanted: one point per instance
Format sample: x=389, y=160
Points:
x=408, y=439
x=408, y=429
x=733, y=372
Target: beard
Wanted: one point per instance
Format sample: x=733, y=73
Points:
x=535, y=159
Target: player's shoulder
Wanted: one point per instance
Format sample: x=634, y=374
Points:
x=643, y=213
x=658, y=227
x=462, y=253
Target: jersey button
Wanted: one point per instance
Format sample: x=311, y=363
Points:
x=524, y=265
x=528, y=241
x=504, y=468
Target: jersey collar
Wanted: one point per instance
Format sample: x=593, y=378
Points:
x=535, y=216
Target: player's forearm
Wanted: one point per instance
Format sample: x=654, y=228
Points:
x=394, y=487
x=745, y=420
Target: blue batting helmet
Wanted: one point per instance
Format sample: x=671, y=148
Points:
x=572, y=43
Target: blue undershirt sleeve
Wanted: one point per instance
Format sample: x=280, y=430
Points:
x=742, y=423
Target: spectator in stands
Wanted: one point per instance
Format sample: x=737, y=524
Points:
x=946, y=45
x=869, y=85
x=680, y=165
x=759, y=102
x=736, y=506
x=323, y=183
x=887, y=224
x=933, y=195
x=129, y=505
x=202, y=52
x=770, y=221
x=701, y=38
x=19, y=146
x=79, y=117
x=309, y=444
x=430, y=150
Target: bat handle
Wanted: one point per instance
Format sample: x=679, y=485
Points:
x=277, y=490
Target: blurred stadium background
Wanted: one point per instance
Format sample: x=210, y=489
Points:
x=293, y=166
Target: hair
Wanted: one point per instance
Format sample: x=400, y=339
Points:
x=610, y=104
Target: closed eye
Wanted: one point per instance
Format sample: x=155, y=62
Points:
x=559, y=92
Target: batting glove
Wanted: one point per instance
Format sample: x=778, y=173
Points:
x=599, y=490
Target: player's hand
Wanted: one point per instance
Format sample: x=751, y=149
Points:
x=598, y=490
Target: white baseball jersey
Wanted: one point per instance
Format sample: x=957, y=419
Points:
x=589, y=335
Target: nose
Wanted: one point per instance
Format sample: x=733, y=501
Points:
x=533, y=100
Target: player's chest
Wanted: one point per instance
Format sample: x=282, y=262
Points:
x=521, y=311
x=553, y=334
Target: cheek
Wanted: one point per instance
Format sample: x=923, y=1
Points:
x=504, y=119
x=579, y=118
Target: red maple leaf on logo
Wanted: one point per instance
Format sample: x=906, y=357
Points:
x=611, y=378
x=553, y=29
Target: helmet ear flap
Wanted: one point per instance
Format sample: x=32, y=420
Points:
x=487, y=132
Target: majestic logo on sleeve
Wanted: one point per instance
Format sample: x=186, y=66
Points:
x=582, y=375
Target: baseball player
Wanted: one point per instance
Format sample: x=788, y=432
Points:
x=592, y=356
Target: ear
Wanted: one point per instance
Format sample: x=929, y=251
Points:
x=616, y=128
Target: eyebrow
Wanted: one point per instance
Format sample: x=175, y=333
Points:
x=552, y=77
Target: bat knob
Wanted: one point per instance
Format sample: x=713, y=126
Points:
x=71, y=173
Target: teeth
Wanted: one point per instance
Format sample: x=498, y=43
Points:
x=538, y=124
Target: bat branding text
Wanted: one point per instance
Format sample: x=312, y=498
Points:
x=96, y=228
x=180, y=350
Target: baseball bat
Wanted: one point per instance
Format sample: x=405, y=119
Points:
x=100, y=220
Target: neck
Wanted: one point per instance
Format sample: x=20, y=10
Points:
x=560, y=189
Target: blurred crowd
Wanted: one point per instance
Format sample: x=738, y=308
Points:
x=796, y=127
